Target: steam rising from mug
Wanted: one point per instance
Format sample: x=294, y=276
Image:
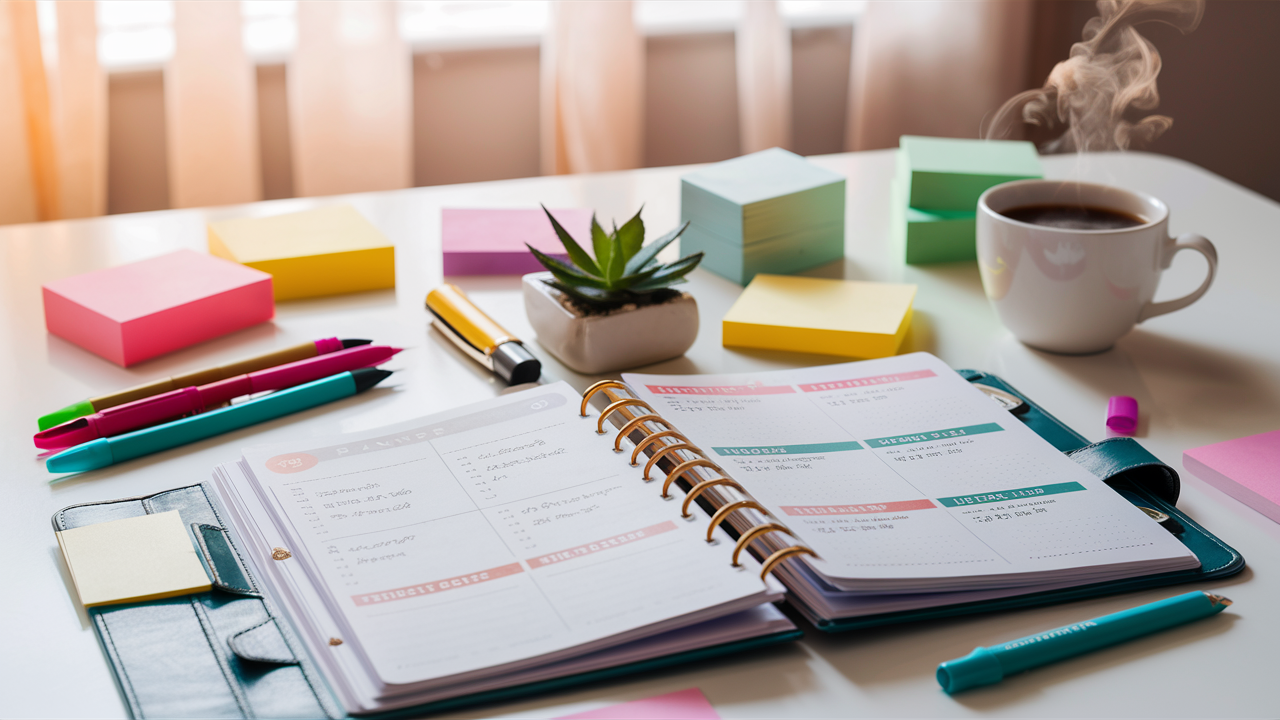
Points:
x=1112, y=70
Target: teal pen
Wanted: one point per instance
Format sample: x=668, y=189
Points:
x=108, y=451
x=985, y=666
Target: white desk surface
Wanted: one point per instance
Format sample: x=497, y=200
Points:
x=1202, y=375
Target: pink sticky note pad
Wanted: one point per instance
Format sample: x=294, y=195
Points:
x=1247, y=469
x=134, y=312
x=491, y=241
x=688, y=704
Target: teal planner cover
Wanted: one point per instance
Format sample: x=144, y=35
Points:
x=229, y=652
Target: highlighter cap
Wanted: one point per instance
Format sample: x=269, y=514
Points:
x=71, y=412
x=82, y=458
x=978, y=668
x=1122, y=414
x=513, y=363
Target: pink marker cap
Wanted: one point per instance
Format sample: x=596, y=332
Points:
x=1122, y=414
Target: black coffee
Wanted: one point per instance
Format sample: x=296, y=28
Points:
x=1073, y=217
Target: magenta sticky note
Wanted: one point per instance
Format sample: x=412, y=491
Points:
x=491, y=241
x=688, y=704
x=1122, y=414
x=134, y=312
x=1247, y=469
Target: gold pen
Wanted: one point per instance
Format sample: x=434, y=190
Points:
x=477, y=335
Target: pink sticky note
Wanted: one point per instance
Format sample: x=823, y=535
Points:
x=491, y=241
x=1247, y=469
x=688, y=704
x=134, y=312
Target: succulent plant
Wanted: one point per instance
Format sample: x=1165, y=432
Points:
x=624, y=269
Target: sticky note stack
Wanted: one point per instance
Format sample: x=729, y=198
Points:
x=327, y=251
x=487, y=241
x=771, y=211
x=135, y=312
x=829, y=317
x=1247, y=469
x=148, y=557
x=935, y=193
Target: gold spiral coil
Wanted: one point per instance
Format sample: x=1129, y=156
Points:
x=754, y=533
x=651, y=437
x=617, y=405
x=635, y=423
x=724, y=512
x=653, y=459
x=696, y=490
x=684, y=467
x=771, y=561
x=586, y=396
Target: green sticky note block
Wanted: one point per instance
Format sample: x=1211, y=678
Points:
x=933, y=236
x=950, y=174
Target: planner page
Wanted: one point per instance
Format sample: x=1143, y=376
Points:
x=904, y=477
x=491, y=538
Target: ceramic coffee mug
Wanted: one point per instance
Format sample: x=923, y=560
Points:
x=1078, y=291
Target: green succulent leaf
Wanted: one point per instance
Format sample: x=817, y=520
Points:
x=576, y=253
x=590, y=296
x=617, y=261
x=669, y=274
x=602, y=246
x=650, y=251
x=564, y=271
x=632, y=235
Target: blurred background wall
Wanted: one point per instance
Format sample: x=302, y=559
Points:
x=479, y=110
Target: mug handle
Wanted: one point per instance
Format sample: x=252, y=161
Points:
x=1190, y=241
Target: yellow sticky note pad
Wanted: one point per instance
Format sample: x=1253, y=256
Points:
x=830, y=317
x=134, y=559
x=326, y=251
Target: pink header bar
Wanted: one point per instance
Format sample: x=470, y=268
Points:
x=862, y=382
x=868, y=509
x=751, y=389
x=430, y=588
x=599, y=545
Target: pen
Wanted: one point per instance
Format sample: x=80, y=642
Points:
x=985, y=666
x=477, y=335
x=108, y=451
x=190, y=400
x=199, y=377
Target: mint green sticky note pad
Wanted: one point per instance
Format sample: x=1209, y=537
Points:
x=950, y=174
x=932, y=236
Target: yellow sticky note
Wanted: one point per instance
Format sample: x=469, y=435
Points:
x=830, y=317
x=139, y=558
x=326, y=251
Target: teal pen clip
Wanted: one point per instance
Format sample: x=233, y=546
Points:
x=985, y=666
x=108, y=451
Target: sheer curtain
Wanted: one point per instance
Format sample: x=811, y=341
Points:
x=763, y=49
x=52, y=115
x=934, y=68
x=592, y=91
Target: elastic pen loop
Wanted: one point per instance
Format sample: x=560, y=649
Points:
x=586, y=396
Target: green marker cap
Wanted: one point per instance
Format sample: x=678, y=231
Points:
x=66, y=414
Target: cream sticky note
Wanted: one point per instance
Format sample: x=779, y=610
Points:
x=134, y=559
x=326, y=251
x=830, y=317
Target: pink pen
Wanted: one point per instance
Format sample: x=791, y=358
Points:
x=189, y=400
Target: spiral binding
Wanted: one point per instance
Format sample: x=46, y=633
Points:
x=682, y=467
x=637, y=422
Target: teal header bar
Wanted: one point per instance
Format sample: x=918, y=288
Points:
x=789, y=449
x=1007, y=495
x=933, y=435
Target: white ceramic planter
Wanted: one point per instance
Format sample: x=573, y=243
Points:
x=596, y=344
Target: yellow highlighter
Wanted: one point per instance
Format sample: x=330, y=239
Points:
x=477, y=335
